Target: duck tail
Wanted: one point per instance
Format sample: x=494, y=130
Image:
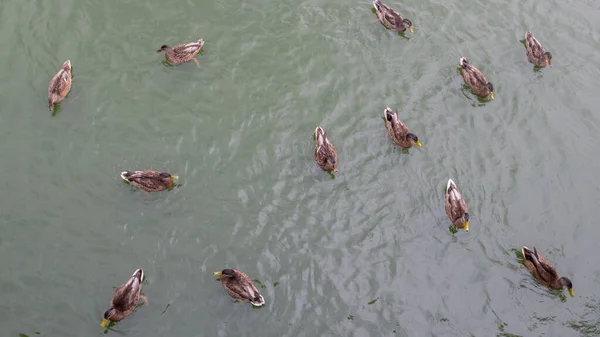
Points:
x=139, y=274
x=125, y=175
x=258, y=301
x=464, y=62
x=450, y=186
x=388, y=112
x=320, y=135
x=377, y=4
x=527, y=35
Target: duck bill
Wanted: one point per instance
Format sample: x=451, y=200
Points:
x=174, y=177
x=492, y=95
x=104, y=321
x=217, y=273
x=466, y=226
x=418, y=143
x=571, y=292
x=410, y=28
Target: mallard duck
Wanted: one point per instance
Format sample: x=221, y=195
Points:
x=149, y=181
x=125, y=299
x=536, y=53
x=239, y=286
x=390, y=18
x=398, y=131
x=475, y=79
x=543, y=271
x=182, y=53
x=456, y=207
x=325, y=153
x=60, y=85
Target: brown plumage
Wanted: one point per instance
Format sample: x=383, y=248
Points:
x=239, y=286
x=149, y=181
x=125, y=299
x=182, y=53
x=543, y=271
x=60, y=85
x=536, y=53
x=390, y=18
x=398, y=131
x=325, y=153
x=456, y=207
x=475, y=79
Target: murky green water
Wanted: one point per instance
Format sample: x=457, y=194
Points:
x=366, y=254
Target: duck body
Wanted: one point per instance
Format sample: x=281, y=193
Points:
x=60, y=85
x=149, y=180
x=239, y=286
x=544, y=272
x=390, y=18
x=475, y=79
x=398, y=131
x=325, y=153
x=536, y=53
x=125, y=299
x=182, y=53
x=456, y=207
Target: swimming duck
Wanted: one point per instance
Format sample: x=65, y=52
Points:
x=475, y=79
x=398, y=131
x=125, y=299
x=544, y=272
x=239, y=286
x=182, y=53
x=60, y=85
x=325, y=153
x=536, y=53
x=456, y=207
x=149, y=181
x=390, y=18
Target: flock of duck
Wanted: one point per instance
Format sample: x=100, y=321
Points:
x=126, y=298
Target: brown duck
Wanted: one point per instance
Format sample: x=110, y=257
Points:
x=325, y=153
x=239, y=286
x=182, y=53
x=125, y=299
x=398, y=131
x=475, y=79
x=150, y=181
x=536, y=53
x=544, y=272
x=60, y=85
x=456, y=207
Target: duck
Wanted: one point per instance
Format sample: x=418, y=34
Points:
x=544, y=272
x=456, y=207
x=239, y=286
x=536, y=53
x=398, y=131
x=475, y=79
x=60, y=85
x=149, y=180
x=182, y=53
x=125, y=299
x=325, y=153
x=391, y=18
